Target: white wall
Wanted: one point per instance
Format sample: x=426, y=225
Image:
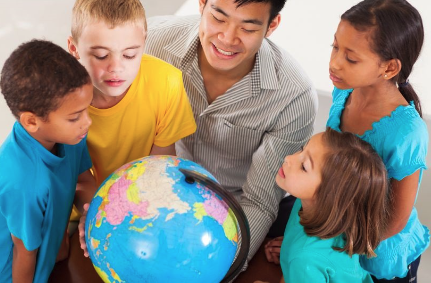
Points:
x=307, y=30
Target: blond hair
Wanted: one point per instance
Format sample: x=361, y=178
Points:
x=112, y=12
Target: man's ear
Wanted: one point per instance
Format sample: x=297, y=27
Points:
x=202, y=4
x=72, y=47
x=392, y=68
x=29, y=121
x=273, y=25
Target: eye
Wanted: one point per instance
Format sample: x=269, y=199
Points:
x=334, y=47
x=100, y=57
x=301, y=149
x=303, y=167
x=248, y=30
x=350, y=60
x=74, y=119
x=217, y=20
x=129, y=57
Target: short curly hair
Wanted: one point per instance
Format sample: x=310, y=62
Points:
x=37, y=75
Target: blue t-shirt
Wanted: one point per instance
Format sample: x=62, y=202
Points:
x=305, y=259
x=37, y=189
x=401, y=140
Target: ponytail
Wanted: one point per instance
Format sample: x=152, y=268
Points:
x=409, y=94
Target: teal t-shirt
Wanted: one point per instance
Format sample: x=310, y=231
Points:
x=401, y=140
x=306, y=259
x=37, y=189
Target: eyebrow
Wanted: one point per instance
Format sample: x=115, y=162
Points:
x=77, y=112
x=246, y=21
x=348, y=49
x=106, y=48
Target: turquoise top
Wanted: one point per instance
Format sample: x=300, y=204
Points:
x=401, y=140
x=37, y=189
x=305, y=259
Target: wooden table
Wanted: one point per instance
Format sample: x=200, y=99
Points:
x=79, y=269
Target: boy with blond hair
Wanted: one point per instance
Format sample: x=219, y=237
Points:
x=140, y=106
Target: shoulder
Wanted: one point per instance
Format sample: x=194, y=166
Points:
x=157, y=74
x=405, y=126
x=166, y=28
x=154, y=66
x=18, y=166
x=290, y=73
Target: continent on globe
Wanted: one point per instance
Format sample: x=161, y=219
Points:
x=147, y=224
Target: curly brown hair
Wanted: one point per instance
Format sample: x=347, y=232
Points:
x=37, y=75
x=353, y=197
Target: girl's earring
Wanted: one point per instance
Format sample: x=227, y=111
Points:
x=386, y=76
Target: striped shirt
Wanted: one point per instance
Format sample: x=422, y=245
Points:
x=243, y=136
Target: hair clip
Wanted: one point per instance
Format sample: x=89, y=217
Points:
x=404, y=84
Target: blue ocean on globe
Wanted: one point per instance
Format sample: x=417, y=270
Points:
x=147, y=224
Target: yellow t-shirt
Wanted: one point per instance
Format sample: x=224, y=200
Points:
x=155, y=110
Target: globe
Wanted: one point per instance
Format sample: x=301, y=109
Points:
x=165, y=219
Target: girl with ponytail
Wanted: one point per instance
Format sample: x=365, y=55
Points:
x=375, y=47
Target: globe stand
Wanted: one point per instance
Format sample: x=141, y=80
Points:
x=193, y=176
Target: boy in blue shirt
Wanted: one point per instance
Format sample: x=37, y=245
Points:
x=43, y=158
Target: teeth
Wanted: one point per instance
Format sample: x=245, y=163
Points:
x=224, y=52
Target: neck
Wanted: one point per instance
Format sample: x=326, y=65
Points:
x=307, y=205
x=372, y=95
x=102, y=101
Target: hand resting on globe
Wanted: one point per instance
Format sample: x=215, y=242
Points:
x=81, y=229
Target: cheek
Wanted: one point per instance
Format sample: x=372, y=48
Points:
x=94, y=69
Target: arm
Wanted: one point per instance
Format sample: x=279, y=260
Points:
x=24, y=262
x=85, y=190
x=403, y=198
x=168, y=150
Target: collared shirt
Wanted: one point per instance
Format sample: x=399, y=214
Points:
x=243, y=136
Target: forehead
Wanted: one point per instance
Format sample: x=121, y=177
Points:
x=102, y=34
x=350, y=38
x=248, y=11
x=317, y=149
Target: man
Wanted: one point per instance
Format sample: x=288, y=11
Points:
x=252, y=103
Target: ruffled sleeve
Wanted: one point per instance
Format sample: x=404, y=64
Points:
x=404, y=152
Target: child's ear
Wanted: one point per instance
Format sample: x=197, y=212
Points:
x=392, y=68
x=72, y=47
x=29, y=121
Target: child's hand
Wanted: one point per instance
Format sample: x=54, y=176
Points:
x=81, y=229
x=272, y=250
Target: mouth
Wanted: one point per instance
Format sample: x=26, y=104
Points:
x=83, y=136
x=334, y=78
x=224, y=52
x=114, y=82
x=281, y=173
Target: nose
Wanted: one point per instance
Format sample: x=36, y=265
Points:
x=334, y=62
x=229, y=36
x=86, y=119
x=115, y=64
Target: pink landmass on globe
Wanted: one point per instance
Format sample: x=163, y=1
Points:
x=215, y=207
x=119, y=206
